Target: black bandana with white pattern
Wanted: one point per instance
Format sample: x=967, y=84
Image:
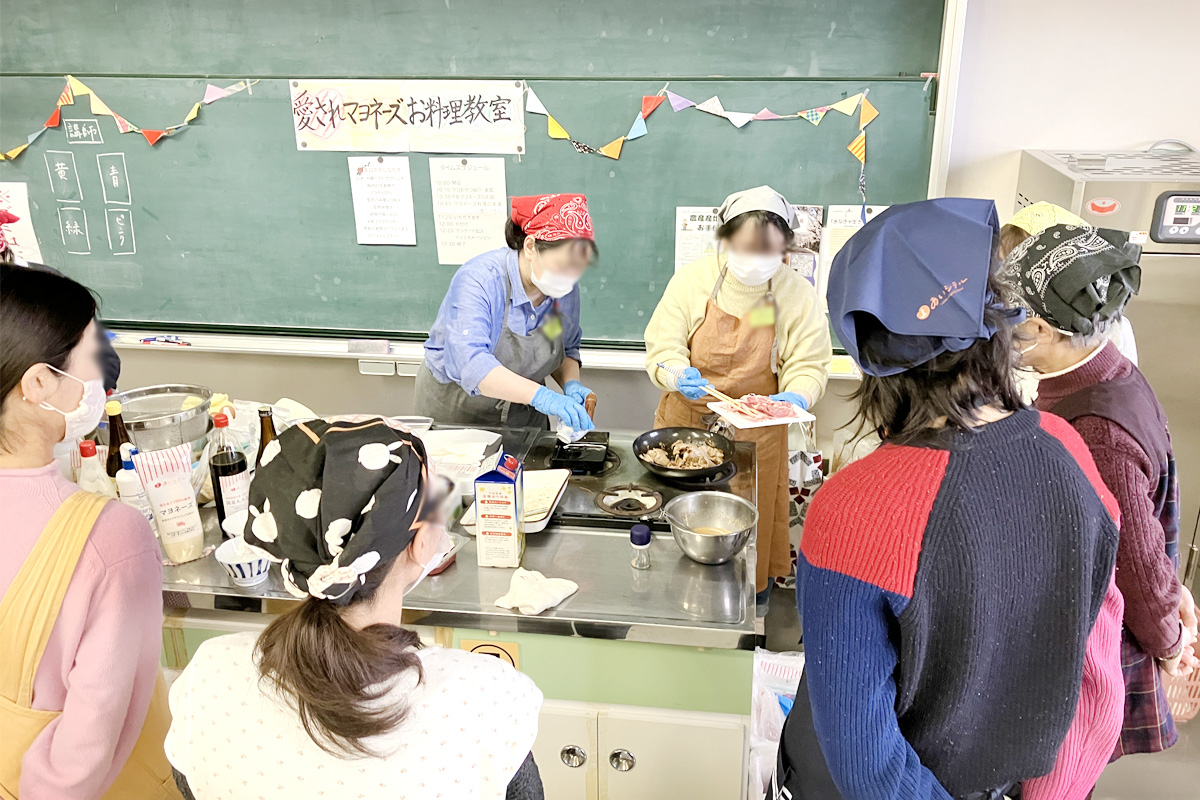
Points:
x=1075, y=277
x=333, y=500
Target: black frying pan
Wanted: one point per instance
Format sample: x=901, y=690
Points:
x=666, y=436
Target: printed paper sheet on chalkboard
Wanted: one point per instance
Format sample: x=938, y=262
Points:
x=400, y=116
x=381, y=188
x=470, y=206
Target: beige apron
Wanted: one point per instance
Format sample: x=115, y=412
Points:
x=736, y=357
x=27, y=615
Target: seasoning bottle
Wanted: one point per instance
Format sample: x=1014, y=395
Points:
x=117, y=436
x=266, y=432
x=639, y=537
x=129, y=486
x=91, y=477
x=230, y=472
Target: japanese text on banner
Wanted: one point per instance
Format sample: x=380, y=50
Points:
x=408, y=116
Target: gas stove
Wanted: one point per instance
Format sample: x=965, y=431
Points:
x=623, y=492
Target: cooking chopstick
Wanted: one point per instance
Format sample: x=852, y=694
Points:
x=737, y=405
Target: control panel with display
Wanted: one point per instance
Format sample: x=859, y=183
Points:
x=1177, y=219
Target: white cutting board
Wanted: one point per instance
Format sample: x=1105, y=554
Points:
x=543, y=489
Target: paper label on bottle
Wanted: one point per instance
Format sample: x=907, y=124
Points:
x=235, y=492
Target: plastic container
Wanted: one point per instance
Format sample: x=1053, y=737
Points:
x=92, y=477
x=230, y=470
x=129, y=486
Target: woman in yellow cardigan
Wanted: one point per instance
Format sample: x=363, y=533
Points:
x=744, y=322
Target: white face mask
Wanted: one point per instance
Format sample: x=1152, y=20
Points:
x=445, y=545
x=551, y=284
x=753, y=269
x=84, y=418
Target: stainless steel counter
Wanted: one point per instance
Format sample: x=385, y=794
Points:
x=676, y=601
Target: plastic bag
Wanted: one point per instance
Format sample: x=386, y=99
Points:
x=776, y=676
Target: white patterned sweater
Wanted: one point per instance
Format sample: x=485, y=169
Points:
x=471, y=723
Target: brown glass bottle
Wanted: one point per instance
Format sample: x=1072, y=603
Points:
x=117, y=436
x=266, y=432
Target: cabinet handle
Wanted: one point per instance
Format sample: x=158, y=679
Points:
x=573, y=756
x=622, y=760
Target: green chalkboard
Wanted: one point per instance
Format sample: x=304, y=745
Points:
x=235, y=229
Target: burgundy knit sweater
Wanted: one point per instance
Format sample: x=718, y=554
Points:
x=1146, y=488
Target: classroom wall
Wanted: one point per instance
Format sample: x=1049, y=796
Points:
x=1085, y=74
x=1073, y=73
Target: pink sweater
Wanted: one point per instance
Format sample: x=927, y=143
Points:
x=105, y=645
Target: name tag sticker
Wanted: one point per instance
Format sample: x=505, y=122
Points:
x=762, y=316
x=553, y=328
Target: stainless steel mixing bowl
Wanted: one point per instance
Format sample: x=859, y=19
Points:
x=711, y=509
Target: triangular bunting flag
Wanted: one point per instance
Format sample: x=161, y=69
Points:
x=99, y=108
x=639, y=128
x=67, y=97
x=76, y=86
x=33, y=136
x=678, y=102
x=533, y=105
x=214, y=93
x=767, y=113
x=580, y=147
x=54, y=118
x=651, y=102
x=123, y=125
x=174, y=129
x=192, y=114
x=848, y=105
x=555, y=130
x=739, y=118
x=153, y=136
x=613, y=148
x=713, y=106
x=16, y=151
x=859, y=147
x=235, y=88
x=814, y=115
x=866, y=113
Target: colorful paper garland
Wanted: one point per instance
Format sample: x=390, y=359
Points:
x=76, y=87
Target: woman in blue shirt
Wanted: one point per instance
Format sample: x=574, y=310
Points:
x=510, y=320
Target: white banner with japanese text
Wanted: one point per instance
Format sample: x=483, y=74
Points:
x=400, y=116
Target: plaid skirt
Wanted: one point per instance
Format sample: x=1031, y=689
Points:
x=1148, y=726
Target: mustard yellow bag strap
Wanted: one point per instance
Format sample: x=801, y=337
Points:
x=31, y=605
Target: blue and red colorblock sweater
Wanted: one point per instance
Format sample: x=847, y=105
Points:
x=948, y=589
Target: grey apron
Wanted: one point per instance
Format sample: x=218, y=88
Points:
x=534, y=357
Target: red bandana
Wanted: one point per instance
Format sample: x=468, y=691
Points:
x=553, y=217
x=6, y=218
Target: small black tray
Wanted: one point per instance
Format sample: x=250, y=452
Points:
x=587, y=455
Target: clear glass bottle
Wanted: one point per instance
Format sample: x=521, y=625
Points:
x=639, y=538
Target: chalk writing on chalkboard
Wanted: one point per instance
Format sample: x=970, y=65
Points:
x=120, y=231
x=403, y=116
x=64, y=178
x=83, y=131
x=114, y=178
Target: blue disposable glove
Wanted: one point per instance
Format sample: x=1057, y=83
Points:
x=793, y=398
x=691, y=384
x=553, y=404
x=577, y=391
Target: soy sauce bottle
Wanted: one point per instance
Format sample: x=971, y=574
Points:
x=266, y=432
x=230, y=470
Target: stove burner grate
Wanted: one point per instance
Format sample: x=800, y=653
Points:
x=629, y=500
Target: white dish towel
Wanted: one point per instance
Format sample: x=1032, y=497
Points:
x=531, y=592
